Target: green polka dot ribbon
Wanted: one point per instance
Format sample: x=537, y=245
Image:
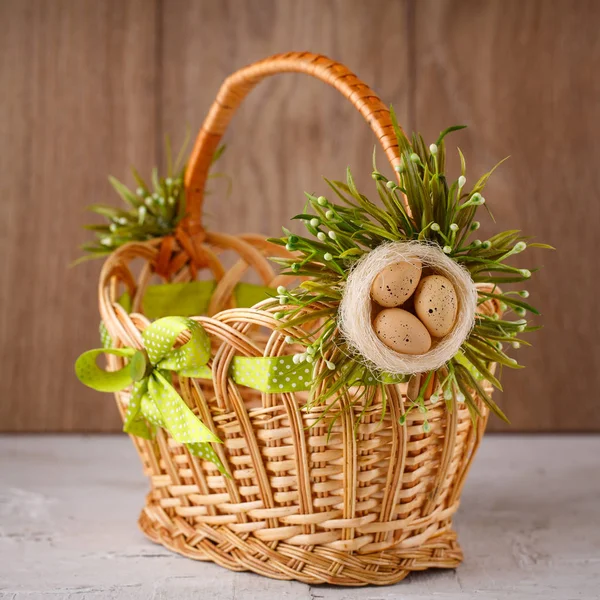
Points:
x=277, y=374
x=154, y=401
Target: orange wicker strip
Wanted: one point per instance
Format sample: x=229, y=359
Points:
x=237, y=86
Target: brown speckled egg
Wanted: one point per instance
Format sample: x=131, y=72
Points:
x=436, y=304
x=401, y=331
x=396, y=283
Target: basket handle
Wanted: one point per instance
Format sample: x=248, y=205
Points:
x=235, y=88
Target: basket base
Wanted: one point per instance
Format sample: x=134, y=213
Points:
x=309, y=564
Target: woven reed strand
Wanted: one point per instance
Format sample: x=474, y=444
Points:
x=366, y=503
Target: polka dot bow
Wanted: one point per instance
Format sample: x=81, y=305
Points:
x=154, y=401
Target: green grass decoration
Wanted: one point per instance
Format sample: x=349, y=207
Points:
x=152, y=211
x=340, y=232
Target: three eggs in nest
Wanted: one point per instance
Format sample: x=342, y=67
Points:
x=412, y=308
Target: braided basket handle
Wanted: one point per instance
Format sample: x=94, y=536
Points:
x=237, y=86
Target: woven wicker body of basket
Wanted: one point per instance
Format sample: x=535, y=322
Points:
x=364, y=505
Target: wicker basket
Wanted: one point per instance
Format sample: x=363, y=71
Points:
x=350, y=508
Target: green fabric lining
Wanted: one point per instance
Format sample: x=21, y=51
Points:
x=192, y=298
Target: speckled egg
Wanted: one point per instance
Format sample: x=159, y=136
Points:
x=402, y=331
x=396, y=283
x=436, y=304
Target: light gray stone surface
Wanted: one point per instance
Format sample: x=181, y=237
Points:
x=529, y=525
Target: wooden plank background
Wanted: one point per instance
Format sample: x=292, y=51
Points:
x=90, y=88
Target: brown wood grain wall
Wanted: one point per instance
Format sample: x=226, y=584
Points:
x=90, y=88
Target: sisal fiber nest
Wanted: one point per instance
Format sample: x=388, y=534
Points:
x=355, y=317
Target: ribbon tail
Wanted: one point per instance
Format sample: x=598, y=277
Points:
x=135, y=423
x=205, y=450
x=177, y=418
